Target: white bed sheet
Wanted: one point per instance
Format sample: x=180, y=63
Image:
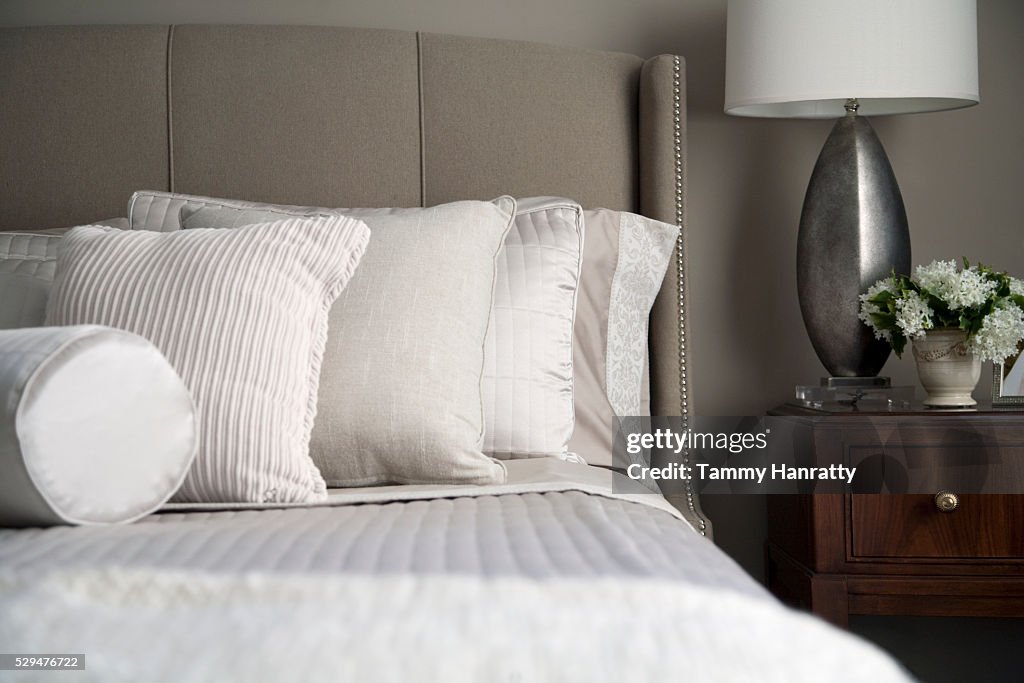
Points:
x=530, y=475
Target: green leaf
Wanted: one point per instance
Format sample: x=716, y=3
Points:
x=883, y=321
x=882, y=298
x=899, y=342
x=970, y=323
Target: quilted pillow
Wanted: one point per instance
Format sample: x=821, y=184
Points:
x=27, y=264
x=624, y=263
x=528, y=364
x=157, y=211
x=242, y=316
x=400, y=399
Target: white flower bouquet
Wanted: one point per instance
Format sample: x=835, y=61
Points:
x=986, y=304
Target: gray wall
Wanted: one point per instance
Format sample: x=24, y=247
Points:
x=961, y=171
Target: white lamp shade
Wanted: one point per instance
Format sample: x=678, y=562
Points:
x=805, y=58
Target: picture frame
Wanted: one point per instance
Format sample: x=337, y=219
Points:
x=1008, y=382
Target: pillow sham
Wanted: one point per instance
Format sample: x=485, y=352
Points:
x=121, y=223
x=95, y=426
x=400, y=398
x=27, y=264
x=242, y=316
x=528, y=364
x=624, y=263
x=157, y=211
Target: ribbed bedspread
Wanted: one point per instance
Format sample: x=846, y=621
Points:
x=535, y=535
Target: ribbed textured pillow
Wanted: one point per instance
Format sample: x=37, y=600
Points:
x=527, y=382
x=400, y=398
x=242, y=316
x=624, y=262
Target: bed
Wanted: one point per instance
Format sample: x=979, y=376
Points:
x=563, y=572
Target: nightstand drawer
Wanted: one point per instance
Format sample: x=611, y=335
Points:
x=840, y=554
x=911, y=526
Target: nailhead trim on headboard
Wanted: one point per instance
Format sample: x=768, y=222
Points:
x=684, y=403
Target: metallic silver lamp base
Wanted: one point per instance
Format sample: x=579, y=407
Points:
x=853, y=231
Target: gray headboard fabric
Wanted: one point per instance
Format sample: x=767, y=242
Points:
x=334, y=116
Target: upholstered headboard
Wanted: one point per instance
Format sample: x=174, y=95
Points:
x=335, y=116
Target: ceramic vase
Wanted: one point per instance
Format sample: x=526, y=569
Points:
x=947, y=368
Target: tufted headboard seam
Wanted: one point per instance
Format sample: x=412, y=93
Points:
x=423, y=152
x=170, y=108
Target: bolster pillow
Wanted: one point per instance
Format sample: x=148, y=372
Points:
x=95, y=426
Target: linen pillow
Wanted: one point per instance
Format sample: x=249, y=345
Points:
x=400, y=398
x=624, y=263
x=528, y=364
x=242, y=316
x=95, y=426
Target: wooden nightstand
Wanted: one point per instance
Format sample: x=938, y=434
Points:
x=842, y=554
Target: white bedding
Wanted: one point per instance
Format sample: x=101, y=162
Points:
x=531, y=475
x=562, y=579
x=170, y=626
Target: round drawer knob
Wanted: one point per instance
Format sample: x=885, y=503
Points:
x=946, y=501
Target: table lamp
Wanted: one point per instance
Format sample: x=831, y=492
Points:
x=848, y=60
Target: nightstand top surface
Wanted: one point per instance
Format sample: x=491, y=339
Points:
x=796, y=409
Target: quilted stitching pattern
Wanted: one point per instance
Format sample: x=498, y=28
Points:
x=536, y=535
x=160, y=211
x=33, y=255
x=156, y=211
x=527, y=383
x=27, y=267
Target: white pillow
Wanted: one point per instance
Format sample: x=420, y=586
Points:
x=527, y=376
x=400, y=398
x=527, y=382
x=27, y=264
x=242, y=316
x=157, y=211
x=624, y=262
x=95, y=426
